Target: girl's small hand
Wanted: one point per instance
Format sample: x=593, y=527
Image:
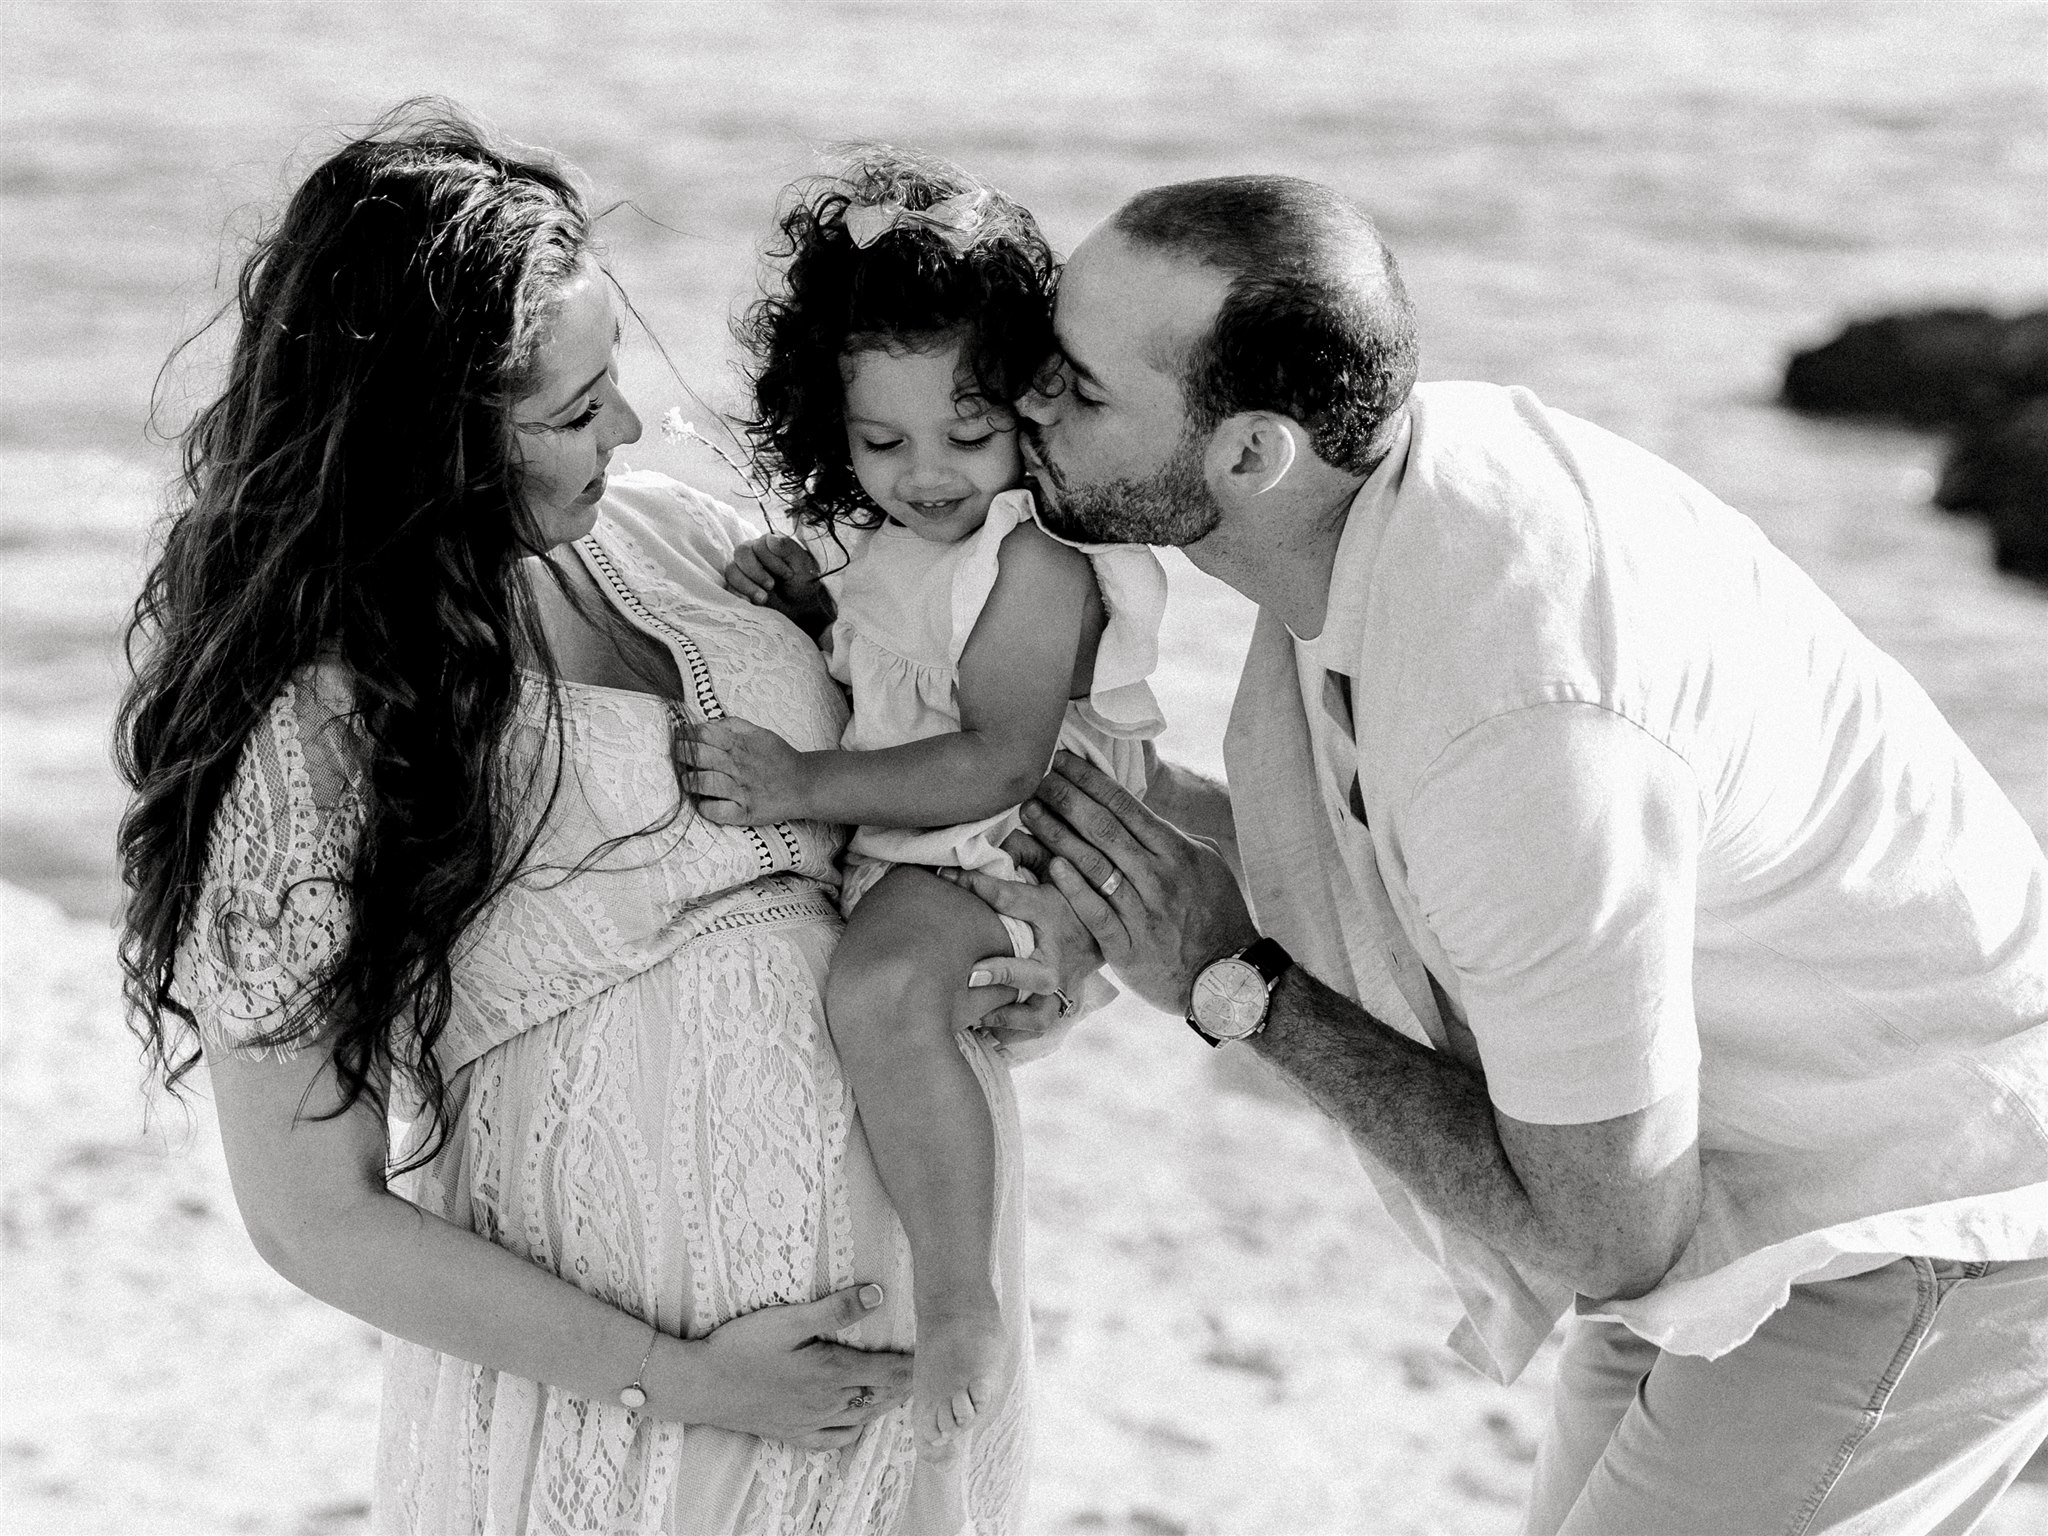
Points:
x=742, y=774
x=775, y=571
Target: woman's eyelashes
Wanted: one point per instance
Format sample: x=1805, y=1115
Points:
x=595, y=407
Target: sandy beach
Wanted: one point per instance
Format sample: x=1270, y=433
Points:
x=1636, y=210
x=1232, y=1337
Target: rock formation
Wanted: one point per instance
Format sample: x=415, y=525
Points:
x=1999, y=468
x=1982, y=379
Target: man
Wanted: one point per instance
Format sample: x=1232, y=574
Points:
x=1661, y=949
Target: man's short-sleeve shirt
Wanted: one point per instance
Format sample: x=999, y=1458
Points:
x=1651, y=811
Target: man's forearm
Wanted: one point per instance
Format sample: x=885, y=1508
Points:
x=1426, y=1117
x=1606, y=1204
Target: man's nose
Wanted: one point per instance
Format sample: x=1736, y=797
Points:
x=1040, y=406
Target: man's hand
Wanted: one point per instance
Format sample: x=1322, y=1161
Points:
x=775, y=571
x=1160, y=904
x=742, y=774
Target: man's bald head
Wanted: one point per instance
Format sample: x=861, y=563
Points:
x=1315, y=324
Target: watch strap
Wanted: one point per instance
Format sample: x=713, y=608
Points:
x=1269, y=959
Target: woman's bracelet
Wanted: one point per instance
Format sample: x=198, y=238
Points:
x=634, y=1395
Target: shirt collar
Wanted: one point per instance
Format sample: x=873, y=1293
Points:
x=1358, y=551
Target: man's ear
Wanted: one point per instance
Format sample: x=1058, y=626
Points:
x=1249, y=454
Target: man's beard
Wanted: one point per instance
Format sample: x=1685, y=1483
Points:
x=1172, y=505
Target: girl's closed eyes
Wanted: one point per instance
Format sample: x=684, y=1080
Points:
x=885, y=444
x=925, y=451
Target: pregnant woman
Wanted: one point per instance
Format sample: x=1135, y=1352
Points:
x=406, y=838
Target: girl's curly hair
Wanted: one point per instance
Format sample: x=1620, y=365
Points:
x=908, y=290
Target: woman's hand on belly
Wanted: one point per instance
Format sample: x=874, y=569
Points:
x=309, y=1179
x=778, y=1374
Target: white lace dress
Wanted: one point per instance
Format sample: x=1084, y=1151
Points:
x=646, y=1100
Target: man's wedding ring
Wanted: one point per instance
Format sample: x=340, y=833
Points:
x=1109, y=886
x=1066, y=1002
x=861, y=1399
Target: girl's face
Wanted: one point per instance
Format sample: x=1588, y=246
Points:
x=572, y=415
x=927, y=451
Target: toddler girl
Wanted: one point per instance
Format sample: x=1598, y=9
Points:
x=911, y=305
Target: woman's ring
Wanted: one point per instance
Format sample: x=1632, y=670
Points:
x=1109, y=886
x=1066, y=1002
x=862, y=1398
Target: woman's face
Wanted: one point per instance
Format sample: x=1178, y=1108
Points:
x=572, y=416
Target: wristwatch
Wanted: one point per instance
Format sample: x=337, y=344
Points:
x=1231, y=995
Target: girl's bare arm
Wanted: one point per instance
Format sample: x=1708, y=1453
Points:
x=1015, y=678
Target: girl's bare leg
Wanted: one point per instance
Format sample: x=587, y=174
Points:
x=890, y=998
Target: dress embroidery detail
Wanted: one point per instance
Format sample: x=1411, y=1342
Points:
x=644, y=1095
x=701, y=689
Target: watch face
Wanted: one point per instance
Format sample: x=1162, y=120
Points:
x=1229, y=999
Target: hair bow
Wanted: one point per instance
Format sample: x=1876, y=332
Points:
x=956, y=219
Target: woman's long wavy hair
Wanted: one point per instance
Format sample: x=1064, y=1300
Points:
x=910, y=289
x=353, y=497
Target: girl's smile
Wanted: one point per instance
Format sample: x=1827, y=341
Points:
x=928, y=451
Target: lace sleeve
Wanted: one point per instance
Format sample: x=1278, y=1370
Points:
x=272, y=911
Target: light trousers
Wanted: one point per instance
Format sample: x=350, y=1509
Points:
x=1899, y=1401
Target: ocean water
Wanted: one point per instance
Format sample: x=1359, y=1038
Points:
x=1635, y=210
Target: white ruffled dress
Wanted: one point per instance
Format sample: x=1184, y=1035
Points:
x=907, y=607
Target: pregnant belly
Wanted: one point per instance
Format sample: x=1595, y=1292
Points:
x=682, y=1144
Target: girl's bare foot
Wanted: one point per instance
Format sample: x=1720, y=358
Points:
x=957, y=1371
